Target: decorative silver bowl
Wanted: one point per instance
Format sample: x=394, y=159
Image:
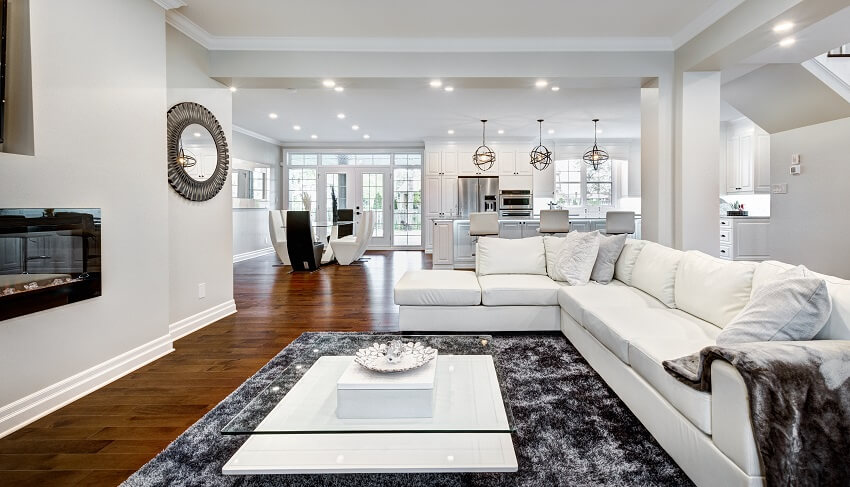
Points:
x=395, y=356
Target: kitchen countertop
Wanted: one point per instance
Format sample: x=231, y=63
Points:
x=744, y=217
x=530, y=219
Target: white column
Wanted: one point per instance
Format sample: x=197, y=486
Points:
x=697, y=177
x=649, y=164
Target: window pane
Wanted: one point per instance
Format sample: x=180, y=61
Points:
x=337, y=160
x=337, y=184
x=303, y=159
x=407, y=204
x=302, y=189
x=373, y=200
x=408, y=159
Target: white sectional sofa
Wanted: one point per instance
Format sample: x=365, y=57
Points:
x=663, y=304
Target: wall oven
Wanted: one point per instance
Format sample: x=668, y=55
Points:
x=516, y=199
x=514, y=213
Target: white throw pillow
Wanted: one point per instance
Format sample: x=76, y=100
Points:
x=655, y=272
x=610, y=247
x=794, y=306
x=577, y=257
x=713, y=289
x=626, y=263
x=511, y=256
x=553, y=247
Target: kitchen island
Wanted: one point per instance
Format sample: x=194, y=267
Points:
x=454, y=248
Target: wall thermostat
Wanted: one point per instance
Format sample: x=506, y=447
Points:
x=796, y=169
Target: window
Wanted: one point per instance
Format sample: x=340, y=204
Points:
x=302, y=189
x=337, y=184
x=578, y=184
x=407, y=204
x=373, y=200
x=303, y=159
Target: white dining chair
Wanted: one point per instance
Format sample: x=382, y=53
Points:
x=348, y=250
x=277, y=232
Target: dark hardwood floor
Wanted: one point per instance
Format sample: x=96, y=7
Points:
x=102, y=438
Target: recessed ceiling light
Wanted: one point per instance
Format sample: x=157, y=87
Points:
x=314, y=136
x=329, y=83
x=339, y=89
x=436, y=83
x=556, y=88
x=551, y=131
x=340, y=116
x=197, y=134
x=788, y=41
x=365, y=136
x=272, y=116
x=783, y=27
x=232, y=89
x=449, y=88
x=541, y=83
x=296, y=127
x=450, y=132
x=355, y=127
x=501, y=131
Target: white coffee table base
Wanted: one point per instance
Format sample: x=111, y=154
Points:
x=373, y=453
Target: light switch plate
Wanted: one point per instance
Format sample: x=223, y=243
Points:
x=795, y=158
x=779, y=188
x=202, y=290
x=796, y=169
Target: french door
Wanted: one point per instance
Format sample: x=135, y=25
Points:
x=361, y=189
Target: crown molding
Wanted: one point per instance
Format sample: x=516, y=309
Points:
x=715, y=12
x=251, y=133
x=170, y=4
x=418, y=44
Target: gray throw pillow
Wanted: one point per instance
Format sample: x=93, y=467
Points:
x=576, y=257
x=794, y=306
x=610, y=248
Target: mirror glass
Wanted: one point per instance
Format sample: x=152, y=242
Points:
x=199, y=155
x=251, y=184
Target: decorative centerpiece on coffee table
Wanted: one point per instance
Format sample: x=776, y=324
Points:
x=395, y=356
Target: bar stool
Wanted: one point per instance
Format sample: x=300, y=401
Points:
x=483, y=225
x=554, y=221
x=619, y=222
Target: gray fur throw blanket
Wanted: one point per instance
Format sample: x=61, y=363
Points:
x=799, y=404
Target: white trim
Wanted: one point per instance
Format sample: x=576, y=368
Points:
x=170, y=4
x=828, y=77
x=251, y=133
x=415, y=44
x=252, y=254
x=197, y=321
x=715, y=12
x=41, y=403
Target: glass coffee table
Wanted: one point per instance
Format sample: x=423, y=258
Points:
x=294, y=428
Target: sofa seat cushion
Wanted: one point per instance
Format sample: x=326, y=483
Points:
x=578, y=300
x=647, y=352
x=518, y=290
x=437, y=288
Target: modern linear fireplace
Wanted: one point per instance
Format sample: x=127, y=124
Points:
x=49, y=257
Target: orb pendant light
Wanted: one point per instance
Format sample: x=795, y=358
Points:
x=484, y=157
x=596, y=156
x=541, y=157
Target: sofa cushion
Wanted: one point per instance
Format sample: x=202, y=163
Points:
x=553, y=246
x=437, y=288
x=593, y=297
x=577, y=256
x=626, y=262
x=687, y=335
x=518, y=290
x=655, y=272
x=838, y=325
x=511, y=256
x=610, y=247
x=712, y=289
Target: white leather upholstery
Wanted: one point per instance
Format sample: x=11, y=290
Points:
x=511, y=256
x=552, y=246
x=518, y=290
x=713, y=289
x=655, y=272
x=626, y=263
x=730, y=417
x=478, y=319
x=437, y=288
x=579, y=300
x=347, y=250
x=277, y=232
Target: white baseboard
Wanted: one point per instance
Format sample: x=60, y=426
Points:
x=41, y=403
x=197, y=321
x=252, y=254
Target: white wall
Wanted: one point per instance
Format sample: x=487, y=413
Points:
x=200, y=245
x=808, y=224
x=251, y=225
x=98, y=82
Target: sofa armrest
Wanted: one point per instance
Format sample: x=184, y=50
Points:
x=731, y=428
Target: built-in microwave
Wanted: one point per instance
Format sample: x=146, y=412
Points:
x=515, y=199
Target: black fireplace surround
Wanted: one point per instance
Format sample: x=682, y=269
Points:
x=49, y=257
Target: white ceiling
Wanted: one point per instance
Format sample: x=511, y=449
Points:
x=410, y=110
x=453, y=18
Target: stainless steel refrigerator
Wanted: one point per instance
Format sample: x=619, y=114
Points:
x=477, y=195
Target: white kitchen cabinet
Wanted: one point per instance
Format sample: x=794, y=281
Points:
x=440, y=196
x=448, y=195
x=510, y=229
x=744, y=238
x=747, y=161
x=580, y=225
x=464, y=246
x=441, y=163
x=465, y=166
x=530, y=229
x=443, y=244
x=512, y=165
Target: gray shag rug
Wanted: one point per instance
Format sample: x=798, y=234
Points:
x=571, y=429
